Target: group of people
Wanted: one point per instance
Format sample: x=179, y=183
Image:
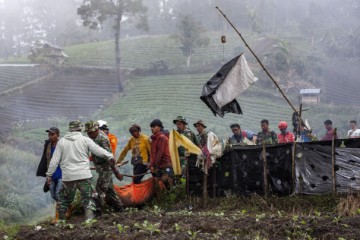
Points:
x=68, y=167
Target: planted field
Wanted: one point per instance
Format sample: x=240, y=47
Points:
x=12, y=76
x=141, y=52
x=169, y=96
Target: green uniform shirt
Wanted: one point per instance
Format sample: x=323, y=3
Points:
x=269, y=138
x=103, y=141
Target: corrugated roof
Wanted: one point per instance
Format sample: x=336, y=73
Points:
x=310, y=91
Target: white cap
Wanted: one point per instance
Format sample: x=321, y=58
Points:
x=101, y=123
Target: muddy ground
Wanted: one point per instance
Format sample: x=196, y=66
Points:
x=251, y=218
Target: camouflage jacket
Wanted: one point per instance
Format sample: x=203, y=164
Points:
x=103, y=141
x=203, y=138
x=269, y=138
x=190, y=135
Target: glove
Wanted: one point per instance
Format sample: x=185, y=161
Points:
x=119, y=176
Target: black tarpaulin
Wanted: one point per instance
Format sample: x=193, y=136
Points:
x=240, y=170
x=314, y=169
x=211, y=86
x=220, y=92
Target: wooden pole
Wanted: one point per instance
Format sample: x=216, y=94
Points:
x=266, y=187
x=333, y=160
x=187, y=176
x=205, y=185
x=261, y=64
x=214, y=180
x=293, y=166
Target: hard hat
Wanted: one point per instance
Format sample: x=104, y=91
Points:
x=101, y=122
x=282, y=125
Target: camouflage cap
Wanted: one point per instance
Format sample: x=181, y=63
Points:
x=200, y=122
x=180, y=119
x=75, y=125
x=91, y=126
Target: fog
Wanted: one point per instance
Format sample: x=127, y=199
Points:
x=304, y=44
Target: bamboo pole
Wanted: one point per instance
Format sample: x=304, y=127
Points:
x=293, y=166
x=187, y=176
x=205, y=185
x=333, y=160
x=214, y=181
x=266, y=184
x=261, y=64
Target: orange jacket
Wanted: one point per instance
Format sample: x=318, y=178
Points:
x=113, y=142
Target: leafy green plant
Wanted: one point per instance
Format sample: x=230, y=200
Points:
x=88, y=223
x=193, y=234
x=148, y=227
x=122, y=228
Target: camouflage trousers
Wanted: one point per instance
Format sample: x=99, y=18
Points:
x=67, y=195
x=105, y=188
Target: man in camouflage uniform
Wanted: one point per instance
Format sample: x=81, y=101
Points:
x=181, y=125
x=72, y=153
x=104, y=185
x=266, y=136
x=203, y=134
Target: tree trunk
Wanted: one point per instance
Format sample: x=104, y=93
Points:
x=117, y=50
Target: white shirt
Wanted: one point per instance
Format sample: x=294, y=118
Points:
x=354, y=133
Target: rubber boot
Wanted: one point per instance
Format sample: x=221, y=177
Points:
x=89, y=214
x=62, y=216
x=55, y=221
x=69, y=211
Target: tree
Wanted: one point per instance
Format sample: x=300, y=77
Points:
x=190, y=36
x=95, y=12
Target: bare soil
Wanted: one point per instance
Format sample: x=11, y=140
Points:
x=279, y=218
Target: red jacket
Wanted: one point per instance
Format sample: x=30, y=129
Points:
x=159, y=154
x=287, y=138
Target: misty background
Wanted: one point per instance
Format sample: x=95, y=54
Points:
x=167, y=50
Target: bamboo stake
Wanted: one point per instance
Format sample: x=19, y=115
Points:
x=187, y=176
x=333, y=160
x=205, y=192
x=266, y=188
x=214, y=180
x=293, y=166
x=261, y=64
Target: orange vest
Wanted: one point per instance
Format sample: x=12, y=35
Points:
x=113, y=142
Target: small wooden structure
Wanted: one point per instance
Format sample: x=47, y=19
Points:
x=47, y=53
x=309, y=95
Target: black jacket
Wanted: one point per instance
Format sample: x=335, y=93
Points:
x=42, y=168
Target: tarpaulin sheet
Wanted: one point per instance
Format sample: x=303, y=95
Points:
x=314, y=168
x=136, y=194
x=240, y=170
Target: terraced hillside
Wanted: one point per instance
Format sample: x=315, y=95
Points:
x=70, y=93
x=169, y=96
x=15, y=75
x=141, y=52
